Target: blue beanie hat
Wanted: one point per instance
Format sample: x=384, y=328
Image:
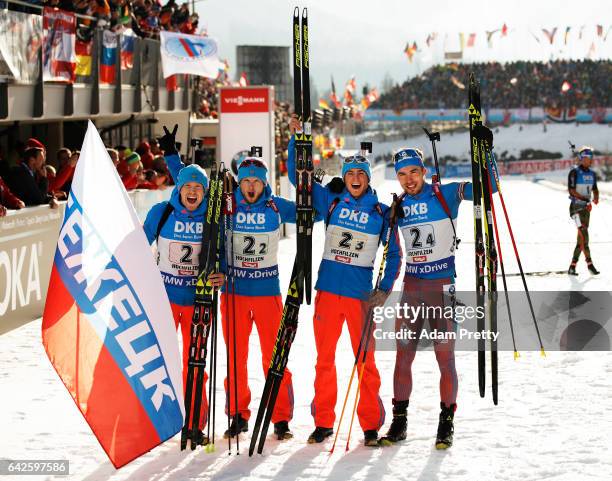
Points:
x=406, y=157
x=191, y=173
x=356, y=161
x=253, y=167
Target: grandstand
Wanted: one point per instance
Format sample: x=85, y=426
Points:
x=557, y=84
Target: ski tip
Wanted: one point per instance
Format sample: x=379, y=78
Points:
x=296, y=12
x=542, y=352
x=305, y=12
x=516, y=355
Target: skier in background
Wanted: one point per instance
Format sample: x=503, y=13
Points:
x=582, y=184
x=176, y=225
x=429, y=230
x=355, y=224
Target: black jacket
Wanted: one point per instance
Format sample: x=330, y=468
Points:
x=27, y=187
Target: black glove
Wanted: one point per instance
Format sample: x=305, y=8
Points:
x=397, y=209
x=336, y=185
x=168, y=142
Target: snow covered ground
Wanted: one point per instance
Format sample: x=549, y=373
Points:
x=553, y=420
x=513, y=138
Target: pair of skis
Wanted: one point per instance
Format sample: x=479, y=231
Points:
x=300, y=284
x=487, y=247
x=486, y=252
x=204, y=323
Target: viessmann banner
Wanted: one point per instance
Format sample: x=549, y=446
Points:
x=246, y=119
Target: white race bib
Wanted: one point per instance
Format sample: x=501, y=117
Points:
x=178, y=258
x=349, y=246
x=254, y=250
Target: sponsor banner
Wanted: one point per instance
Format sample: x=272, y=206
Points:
x=246, y=119
x=536, y=114
x=27, y=243
x=59, y=56
x=522, y=166
x=20, y=43
x=244, y=100
x=191, y=54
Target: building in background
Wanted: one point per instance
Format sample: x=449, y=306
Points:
x=267, y=66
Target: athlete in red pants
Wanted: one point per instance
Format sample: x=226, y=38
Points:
x=330, y=312
x=253, y=291
x=356, y=224
x=265, y=313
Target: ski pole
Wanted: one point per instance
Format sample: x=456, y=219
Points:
x=518, y=259
x=433, y=137
x=501, y=260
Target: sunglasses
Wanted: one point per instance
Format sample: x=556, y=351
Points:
x=586, y=153
x=255, y=162
x=356, y=159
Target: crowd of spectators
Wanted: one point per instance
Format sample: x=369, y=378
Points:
x=557, y=84
x=145, y=17
x=38, y=179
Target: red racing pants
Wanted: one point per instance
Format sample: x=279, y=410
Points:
x=426, y=292
x=265, y=312
x=331, y=310
x=182, y=316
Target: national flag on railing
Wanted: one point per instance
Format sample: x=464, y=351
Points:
x=83, y=56
x=127, y=49
x=107, y=325
x=194, y=54
x=59, y=33
x=108, y=59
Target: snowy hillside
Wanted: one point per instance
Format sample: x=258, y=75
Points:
x=513, y=139
x=552, y=421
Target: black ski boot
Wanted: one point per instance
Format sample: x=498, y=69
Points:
x=397, y=430
x=444, y=438
x=319, y=435
x=592, y=269
x=239, y=425
x=282, y=431
x=201, y=438
x=370, y=438
x=572, y=269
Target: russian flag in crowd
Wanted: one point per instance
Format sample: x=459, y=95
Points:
x=127, y=50
x=108, y=59
x=107, y=324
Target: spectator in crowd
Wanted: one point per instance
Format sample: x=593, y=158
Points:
x=521, y=84
x=28, y=180
x=114, y=156
x=66, y=161
x=146, y=157
x=8, y=200
x=130, y=178
x=155, y=149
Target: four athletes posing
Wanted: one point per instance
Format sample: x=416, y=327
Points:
x=356, y=224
